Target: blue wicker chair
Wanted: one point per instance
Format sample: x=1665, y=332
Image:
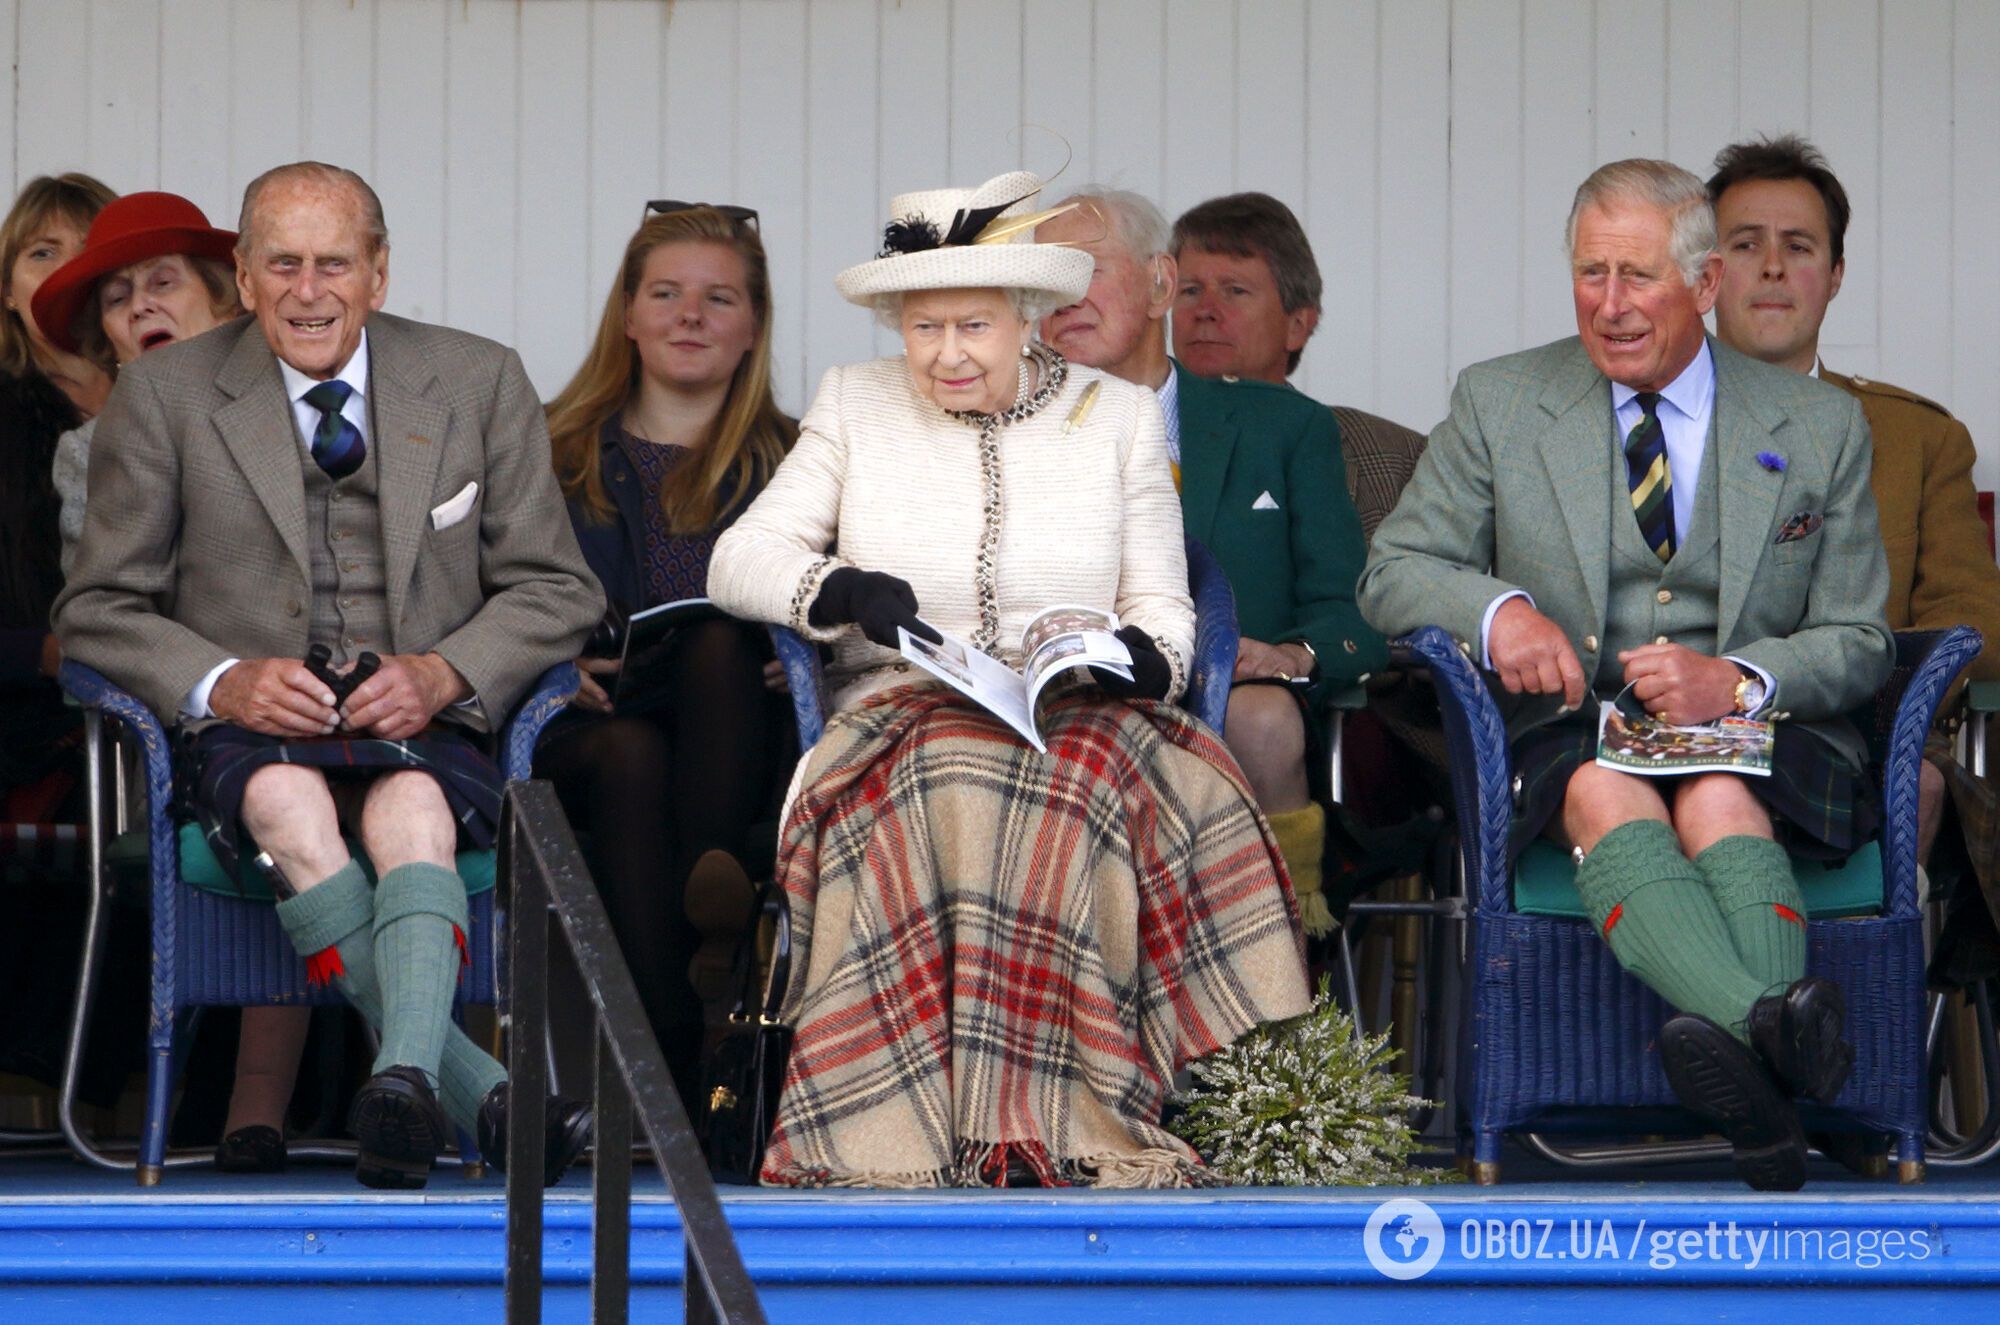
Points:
x=214, y=950
x=1215, y=641
x=1556, y=1037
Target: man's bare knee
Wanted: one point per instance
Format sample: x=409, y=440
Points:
x=289, y=810
x=1597, y=800
x=406, y=819
x=1711, y=806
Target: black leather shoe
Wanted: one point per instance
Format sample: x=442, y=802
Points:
x=401, y=1129
x=253, y=1149
x=566, y=1131
x=1798, y=1034
x=1864, y=1154
x=1731, y=1090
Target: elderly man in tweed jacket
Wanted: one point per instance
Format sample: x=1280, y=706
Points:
x=1639, y=507
x=293, y=480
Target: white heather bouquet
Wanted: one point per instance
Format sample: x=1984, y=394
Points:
x=1303, y=1103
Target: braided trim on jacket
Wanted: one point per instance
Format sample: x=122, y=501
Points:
x=1053, y=370
x=1177, y=674
x=802, y=601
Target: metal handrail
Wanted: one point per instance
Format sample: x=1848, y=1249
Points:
x=544, y=871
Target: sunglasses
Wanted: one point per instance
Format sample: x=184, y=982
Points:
x=668, y=206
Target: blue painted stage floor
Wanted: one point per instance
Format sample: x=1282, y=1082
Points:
x=1679, y=1243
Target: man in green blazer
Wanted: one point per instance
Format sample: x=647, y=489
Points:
x=1641, y=507
x=1262, y=486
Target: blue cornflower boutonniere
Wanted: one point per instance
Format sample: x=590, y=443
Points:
x=1772, y=461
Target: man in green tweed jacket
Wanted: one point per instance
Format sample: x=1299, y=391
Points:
x=1640, y=506
x=1262, y=487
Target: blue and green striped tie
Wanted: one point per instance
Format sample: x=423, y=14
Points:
x=1652, y=485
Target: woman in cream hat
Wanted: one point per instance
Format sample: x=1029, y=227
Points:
x=1004, y=956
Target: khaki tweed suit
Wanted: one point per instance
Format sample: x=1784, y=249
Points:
x=194, y=547
x=1511, y=493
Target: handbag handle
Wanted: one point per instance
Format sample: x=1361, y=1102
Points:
x=773, y=998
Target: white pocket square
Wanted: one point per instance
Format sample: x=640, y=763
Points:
x=451, y=512
x=1265, y=502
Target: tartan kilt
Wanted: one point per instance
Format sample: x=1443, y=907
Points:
x=1822, y=807
x=1003, y=953
x=214, y=765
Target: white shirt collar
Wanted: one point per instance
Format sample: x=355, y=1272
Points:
x=1691, y=393
x=354, y=372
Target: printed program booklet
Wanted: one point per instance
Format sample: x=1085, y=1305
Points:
x=1631, y=740
x=1058, y=639
x=642, y=682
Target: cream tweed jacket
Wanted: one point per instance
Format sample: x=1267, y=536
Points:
x=884, y=480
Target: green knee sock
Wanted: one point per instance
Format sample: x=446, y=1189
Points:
x=1653, y=907
x=1751, y=881
x=420, y=913
x=339, y=914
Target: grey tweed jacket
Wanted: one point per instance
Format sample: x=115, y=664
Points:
x=1512, y=493
x=194, y=543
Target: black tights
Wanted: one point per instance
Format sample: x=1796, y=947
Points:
x=658, y=791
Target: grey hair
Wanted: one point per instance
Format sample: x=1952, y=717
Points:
x=1678, y=193
x=1031, y=306
x=1140, y=225
x=315, y=172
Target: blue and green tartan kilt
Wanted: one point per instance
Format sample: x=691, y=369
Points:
x=214, y=765
x=1822, y=807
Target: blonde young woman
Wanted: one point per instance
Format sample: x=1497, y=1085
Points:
x=664, y=435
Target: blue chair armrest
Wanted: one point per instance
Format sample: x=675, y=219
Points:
x=807, y=682
x=1215, y=637
x=1476, y=742
x=552, y=693
x=1932, y=660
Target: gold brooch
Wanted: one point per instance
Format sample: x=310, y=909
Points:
x=1083, y=407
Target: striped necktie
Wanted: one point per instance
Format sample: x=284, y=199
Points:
x=336, y=443
x=1652, y=485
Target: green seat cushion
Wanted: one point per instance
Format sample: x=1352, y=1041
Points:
x=1545, y=884
x=202, y=870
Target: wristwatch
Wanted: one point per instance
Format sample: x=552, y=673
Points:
x=1749, y=693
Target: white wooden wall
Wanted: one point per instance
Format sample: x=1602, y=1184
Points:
x=1430, y=146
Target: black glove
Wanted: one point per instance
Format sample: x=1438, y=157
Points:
x=876, y=602
x=1150, y=674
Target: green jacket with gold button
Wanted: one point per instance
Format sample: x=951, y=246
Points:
x=1263, y=488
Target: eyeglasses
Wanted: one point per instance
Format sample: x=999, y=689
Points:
x=668, y=206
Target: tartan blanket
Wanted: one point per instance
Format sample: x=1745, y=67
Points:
x=1000, y=952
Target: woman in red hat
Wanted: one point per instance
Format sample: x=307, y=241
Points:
x=152, y=271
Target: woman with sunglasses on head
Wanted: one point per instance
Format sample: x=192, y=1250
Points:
x=151, y=272
x=662, y=437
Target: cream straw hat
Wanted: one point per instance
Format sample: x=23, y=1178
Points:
x=973, y=239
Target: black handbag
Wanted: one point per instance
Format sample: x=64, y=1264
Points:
x=739, y=1085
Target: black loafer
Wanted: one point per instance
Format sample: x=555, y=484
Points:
x=566, y=1132
x=253, y=1149
x=401, y=1129
x=1728, y=1088
x=1798, y=1034
x=1864, y=1154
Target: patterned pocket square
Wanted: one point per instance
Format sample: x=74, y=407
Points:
x=1802, y=525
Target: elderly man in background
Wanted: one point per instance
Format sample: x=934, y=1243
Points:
x=1782, y=216
x=1261, y=483
x=1639, y=507
x=365, y=484
x=1247, y=303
